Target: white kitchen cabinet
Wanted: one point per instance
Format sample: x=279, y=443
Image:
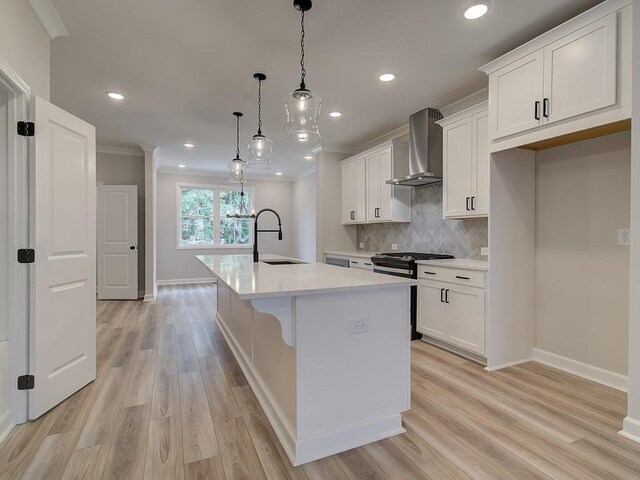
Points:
x=452, y=306
x=366, y=197
x=466, y=163
x=354, y=192
x=573, y=78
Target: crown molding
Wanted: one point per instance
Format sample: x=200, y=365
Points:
x=148, y=148
x=221, y=174
x=49, y=18
x=130, y=152
x=332, y=147
x=385, y=137
x=306, y=173
x=12, y=80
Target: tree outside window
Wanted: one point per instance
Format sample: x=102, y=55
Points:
x=203, y=218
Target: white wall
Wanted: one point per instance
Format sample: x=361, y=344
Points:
x=582, y=275
x=25, y=46
x=180, y=264
x=632, y=422
x=4, y=219
x=304, y=218
x=126, y=170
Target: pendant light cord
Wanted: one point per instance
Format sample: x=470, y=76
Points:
x=259, y=107
x=238, y=137
x=303, y=72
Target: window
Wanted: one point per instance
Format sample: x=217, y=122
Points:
x=202, y=217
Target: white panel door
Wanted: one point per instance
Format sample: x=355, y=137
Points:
x=373, y=186
x=580, y=71
x=481, y=164
x=348, y=193
x=458, y=166
x=515, y=96
x=360, y=191
x=62, y=331
x=431, y=317
x=466, y=317
x=117, y=242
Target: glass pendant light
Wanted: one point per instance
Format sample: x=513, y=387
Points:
x=259, y=154
x=236, y=165
x=302, y=105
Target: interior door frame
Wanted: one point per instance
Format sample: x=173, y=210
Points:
x=18, y=228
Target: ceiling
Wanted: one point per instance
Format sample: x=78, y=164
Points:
x=186, y=65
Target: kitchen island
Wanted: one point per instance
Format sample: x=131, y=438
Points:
x=325, y=349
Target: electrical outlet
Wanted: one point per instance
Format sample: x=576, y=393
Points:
x=484, y=251
x=361, y=244
x=624, y=236
x=394, y=246
x=358, y=326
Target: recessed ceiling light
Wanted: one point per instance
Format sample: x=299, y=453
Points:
x=476, y=11
x=188, y=145
x=278, y=173
x=114, y=95
x=335, y=114
x=308, y=157
x=182, y=166
x=387, y=77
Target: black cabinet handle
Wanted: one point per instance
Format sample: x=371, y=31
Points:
x=462, y=278
x=429, y=273
x=473, y=203
x=442, y=295
x=446, y=296
x=367, y=264
x=545, y=108
x=355, y=263
x=536, y=110
x=467, y=202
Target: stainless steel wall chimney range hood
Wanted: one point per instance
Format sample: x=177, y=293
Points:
x=425, y=149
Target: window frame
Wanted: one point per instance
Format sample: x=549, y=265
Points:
x=216, y=216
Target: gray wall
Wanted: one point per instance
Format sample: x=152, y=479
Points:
x=126, y=170
x=304, y=218
x=179, y=264
x=428, y=231
x=582, y=275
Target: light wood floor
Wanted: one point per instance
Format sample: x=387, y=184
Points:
x=170, y=402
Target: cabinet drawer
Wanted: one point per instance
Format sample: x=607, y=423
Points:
x=363, y=263
x=459, y=276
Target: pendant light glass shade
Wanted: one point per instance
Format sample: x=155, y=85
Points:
x=302, y=106
x=236, y=165
x=259, y=147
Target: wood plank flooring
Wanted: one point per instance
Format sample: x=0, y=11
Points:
x=170, y=402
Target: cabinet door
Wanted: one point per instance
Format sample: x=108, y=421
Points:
x=466, y=317
x=481, y=164
x=348, y=192
x=386, y=190
x=458, y=161
x=373, y=186
x=431, y=318
x=580, y=71
x=360, y=191
x=513, y=93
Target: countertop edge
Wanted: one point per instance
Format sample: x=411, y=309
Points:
x=464, y=263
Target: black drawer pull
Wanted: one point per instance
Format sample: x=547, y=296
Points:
x=545, y=108
x=354, y=262
x=430, y=273
x=368, y=264
x=473, y=203
x=446, y=296
x=467, y=202
x=462, y=278
x=442, y=295
x=536, y=110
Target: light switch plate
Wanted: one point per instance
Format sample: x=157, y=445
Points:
x=624, y=236
x=361, y=244
x=394, y=246
x=484, y=251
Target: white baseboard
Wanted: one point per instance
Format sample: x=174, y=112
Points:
x=507, y=365
x=187, y=281
x=580, y=369
x=151, y=297
x=5, y=424
x=631, y=429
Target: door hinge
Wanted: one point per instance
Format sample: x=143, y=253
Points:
x=26, y=255
x=26, y=382
x=26, y=129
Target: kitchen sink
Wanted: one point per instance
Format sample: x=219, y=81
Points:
x=282, y=262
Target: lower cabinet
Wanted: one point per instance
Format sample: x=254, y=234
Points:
x=452, y=313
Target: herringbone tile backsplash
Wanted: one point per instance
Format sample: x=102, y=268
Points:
x=428, y=231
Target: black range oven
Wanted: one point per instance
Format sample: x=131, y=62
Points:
x=403, y=264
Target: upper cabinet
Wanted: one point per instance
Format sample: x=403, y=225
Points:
x=574, y=78
x=465, y=139
x=366, y=196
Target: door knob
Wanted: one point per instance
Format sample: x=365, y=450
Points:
x=132, y=247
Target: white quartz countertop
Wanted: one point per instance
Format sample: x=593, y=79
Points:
x=260, y=280
x=458, y=263
x=353, y=253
